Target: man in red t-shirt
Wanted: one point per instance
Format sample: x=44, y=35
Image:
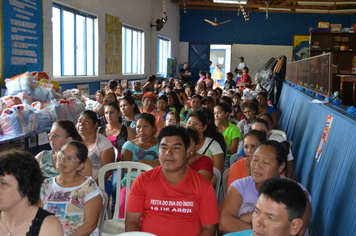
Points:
x=172, y=199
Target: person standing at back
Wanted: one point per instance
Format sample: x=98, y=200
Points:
x=240, y=67
x=185, y=73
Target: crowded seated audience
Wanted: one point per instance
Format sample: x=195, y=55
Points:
x=183, y=133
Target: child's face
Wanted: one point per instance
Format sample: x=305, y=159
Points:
x=230, y=94
x=244, y=71
x=236, y=100
x=171, y=120
x=228, y=77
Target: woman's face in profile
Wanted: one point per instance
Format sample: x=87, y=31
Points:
x=264, y=164
x=9, y=192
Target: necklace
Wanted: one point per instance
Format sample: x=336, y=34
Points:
x=5, y=223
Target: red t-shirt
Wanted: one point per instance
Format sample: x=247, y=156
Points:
x=173, y=210
x=203, y=163
x=245, y=78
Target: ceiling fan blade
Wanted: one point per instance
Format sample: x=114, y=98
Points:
x=210, y=22
x=224, y=22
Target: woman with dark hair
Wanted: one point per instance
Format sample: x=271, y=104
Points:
x=101, y=151
x=203, y=93
x=201, y=76
x=226, y=100
x=129, y=112
x=268, y=161
x=250, y=110
x=195, y=104
x=149, y=85
x=75, y=199
x=230, y=132
x=21, y=180
x=236, y=112
x=162, y=106
x=99, y=96
x=189, y=91
x=241, y=168
x=117, y=133
x=142, y=149
x=206, y=145
x=62, y=132
x=110, y=97
x=264, y=108
x=198, y=162
x=173, y=102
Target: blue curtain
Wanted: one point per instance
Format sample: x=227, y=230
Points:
x=331, y=181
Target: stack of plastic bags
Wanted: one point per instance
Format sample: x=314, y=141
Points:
x=34, y=101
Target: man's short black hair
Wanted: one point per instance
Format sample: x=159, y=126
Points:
x=287, y=192
x=175, y=130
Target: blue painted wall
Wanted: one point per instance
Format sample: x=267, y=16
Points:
x=277, y=30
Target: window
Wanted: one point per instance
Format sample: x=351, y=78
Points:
x=73, y=42
x=133, y=54
x=164, y=52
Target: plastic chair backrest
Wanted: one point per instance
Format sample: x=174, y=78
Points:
x=280, y=132
x=218, y=181
x=103, y=210
x=233, y=158
x=136, y=233
x=224, y=180
x=119, y=166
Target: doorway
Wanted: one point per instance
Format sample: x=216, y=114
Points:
x=220, y=55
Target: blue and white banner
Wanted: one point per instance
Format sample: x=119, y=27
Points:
x=171, y=67
x=22, y=36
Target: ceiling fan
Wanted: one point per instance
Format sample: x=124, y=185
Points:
x=216, y=23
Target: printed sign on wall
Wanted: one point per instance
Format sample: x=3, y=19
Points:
x=22, y=35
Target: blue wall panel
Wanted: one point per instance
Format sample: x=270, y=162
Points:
x=277, y=30
x=331, y=181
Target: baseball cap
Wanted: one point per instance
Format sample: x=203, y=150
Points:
x=150, y=94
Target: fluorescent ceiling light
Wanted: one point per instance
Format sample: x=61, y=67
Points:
x=231, y=1
x=343, y=11
x=311, y=11
x=345, y=3
x=316, y=3
x=274, y=9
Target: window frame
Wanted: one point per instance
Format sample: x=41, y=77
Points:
x=161, y=62
x=140, y=48
x=76, y=13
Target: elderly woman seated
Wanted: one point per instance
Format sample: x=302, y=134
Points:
x=75, y=199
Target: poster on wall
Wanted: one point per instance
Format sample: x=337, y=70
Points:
x=324, y=137
x=300, y=47
x=113, y=45
x=171, y=67
x=22, y=36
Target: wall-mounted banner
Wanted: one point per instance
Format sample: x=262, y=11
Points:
x=300, y=47
x=171, y=67
x=22, y=36
x=324, y=137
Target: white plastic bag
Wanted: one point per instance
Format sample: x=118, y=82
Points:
x=46, y=114
x=28, y=115
x=12, y=123
x=19, y=83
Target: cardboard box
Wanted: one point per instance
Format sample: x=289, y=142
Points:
x=344, y=39
x=335, y=28
x=323, y=25
x=337, y=38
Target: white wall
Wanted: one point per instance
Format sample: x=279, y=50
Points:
x=135, y=13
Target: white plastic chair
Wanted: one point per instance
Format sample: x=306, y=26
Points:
x=224, y=180
x=103, y=211
x=218, y=181
x=136, y=233
x=116, y=226
x=280, y=132
x=234, y=158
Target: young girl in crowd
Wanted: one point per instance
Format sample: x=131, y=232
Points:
x=172, y=118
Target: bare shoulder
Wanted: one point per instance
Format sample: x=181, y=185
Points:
x=51, y=226
x=38, y=157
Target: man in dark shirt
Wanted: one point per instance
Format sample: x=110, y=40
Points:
x=185, y=73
